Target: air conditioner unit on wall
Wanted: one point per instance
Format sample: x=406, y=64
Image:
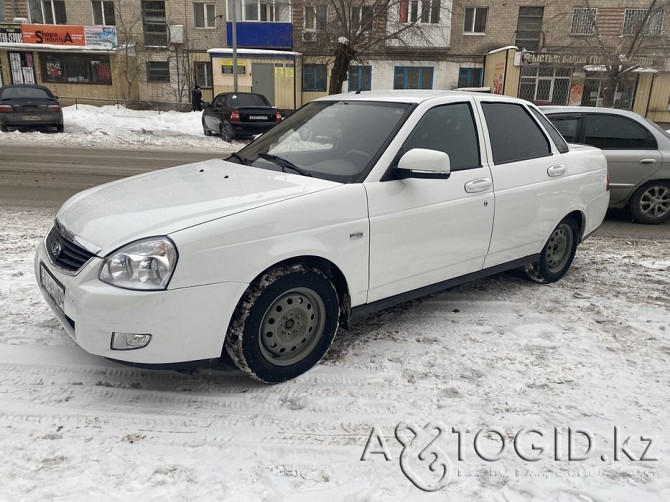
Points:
x=309, y=36
x=20, y=20
x=177, y=34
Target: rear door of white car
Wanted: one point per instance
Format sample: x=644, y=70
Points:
x=530, y=177
x=424, y=231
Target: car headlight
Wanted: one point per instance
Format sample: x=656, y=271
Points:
x=146, y=265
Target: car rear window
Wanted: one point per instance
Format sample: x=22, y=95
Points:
x=247, y=100
x=24, y=92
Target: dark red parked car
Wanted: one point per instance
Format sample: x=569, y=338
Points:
x=239, y=114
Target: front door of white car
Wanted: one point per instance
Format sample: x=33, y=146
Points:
x=427, y=230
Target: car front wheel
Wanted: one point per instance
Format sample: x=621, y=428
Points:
x=557, y=254
x=284, y=323
x=651, y=203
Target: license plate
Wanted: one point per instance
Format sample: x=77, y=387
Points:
x=54, y=288
x=31, y=117
x=258, y=117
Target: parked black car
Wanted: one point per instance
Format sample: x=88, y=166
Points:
x=237, y=114
x=25, y=106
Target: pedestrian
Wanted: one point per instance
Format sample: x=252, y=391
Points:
x=196, y=99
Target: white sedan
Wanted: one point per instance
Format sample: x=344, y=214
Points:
x=353, y=203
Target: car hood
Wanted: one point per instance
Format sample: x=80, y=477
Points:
x=161, y=202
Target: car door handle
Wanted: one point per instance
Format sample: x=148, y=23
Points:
x=556, y=170
x=479, y=185
x=648, y=161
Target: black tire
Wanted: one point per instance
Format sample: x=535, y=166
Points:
x=4, y=128
x=557, y=254
x=650, y=204
x=205, y=130
x=227, y=133
x=60, y=128
x=284, y=323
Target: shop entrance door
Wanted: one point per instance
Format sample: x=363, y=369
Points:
x=263, y=80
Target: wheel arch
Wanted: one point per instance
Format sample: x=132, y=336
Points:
x=331, y=271
x=580, y=219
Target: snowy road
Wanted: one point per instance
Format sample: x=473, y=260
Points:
x=590, y=353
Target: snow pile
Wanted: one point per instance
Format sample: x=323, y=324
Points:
x=112, y=127
x=590, y=352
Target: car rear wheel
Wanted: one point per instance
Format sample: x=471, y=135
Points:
x=284, y=323
x=205, y=130
x=227, y=133
x=4, y=128
x=557, y=254
x=650, y=204
x=60, y=128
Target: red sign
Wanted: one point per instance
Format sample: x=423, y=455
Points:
x=53, y=34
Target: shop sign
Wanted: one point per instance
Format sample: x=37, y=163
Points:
x=103, y=37
x=525, y=58
x=227, y=67
x=10, y=34
x=53, y=34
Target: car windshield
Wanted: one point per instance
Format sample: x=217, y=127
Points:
x=24, y=93
x=248, y=100
x=333, y=140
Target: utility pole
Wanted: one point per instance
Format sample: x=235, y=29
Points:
x=234, y=28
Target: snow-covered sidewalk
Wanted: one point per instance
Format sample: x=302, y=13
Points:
x=590, y=352
x=112, y=127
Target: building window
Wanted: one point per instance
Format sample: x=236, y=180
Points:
x=475, y=20
x=470, y=77
x=158, y=71
x=634, y=18
x=22, y=67
x=204, y=15
x=545, y=84
x=420, y=11
x=361, y=19
x=583, y=21
x=103, y=13
x=260, y=10
x=155, y=23
x=314, y=77
x=413, y=77
x=203, y=74
x=47, y=11
x=76, y=68
x=360, y=78
x=316, y=17
x=529, y=28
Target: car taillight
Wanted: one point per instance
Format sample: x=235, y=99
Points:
x=53, y=108
x=6, y=108
x=277, y=117
x=235, y=116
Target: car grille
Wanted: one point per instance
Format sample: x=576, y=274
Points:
x=65, y=254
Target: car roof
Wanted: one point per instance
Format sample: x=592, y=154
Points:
x=414, y=96
x=588, y=109
x=26, y=85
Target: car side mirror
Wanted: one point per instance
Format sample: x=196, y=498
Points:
x=424, y=163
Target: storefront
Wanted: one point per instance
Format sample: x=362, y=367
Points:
x=75, y=62
x=576, y=80
x=275, y=74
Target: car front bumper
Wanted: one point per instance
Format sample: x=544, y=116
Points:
x=186, y=324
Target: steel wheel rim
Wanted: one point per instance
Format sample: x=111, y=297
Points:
x=655, y=202
x=292, y=326
x=558, y=249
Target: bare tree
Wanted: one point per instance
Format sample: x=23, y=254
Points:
x=638, y=43
x=129, y=32
x=346, y=31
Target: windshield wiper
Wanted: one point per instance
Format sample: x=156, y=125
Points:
x=239, y=157
x=283, y=163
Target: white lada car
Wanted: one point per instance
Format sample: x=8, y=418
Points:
x=355, y=202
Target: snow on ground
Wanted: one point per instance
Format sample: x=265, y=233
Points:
x=590, y=352
x=112, y=127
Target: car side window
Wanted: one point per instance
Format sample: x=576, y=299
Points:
x=568, y=126
x=217, y=102
x=556, y=137
x=450, y=129
x=613, y=132
x=514, y=134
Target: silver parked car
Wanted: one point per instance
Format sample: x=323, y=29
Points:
x=637, y=152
